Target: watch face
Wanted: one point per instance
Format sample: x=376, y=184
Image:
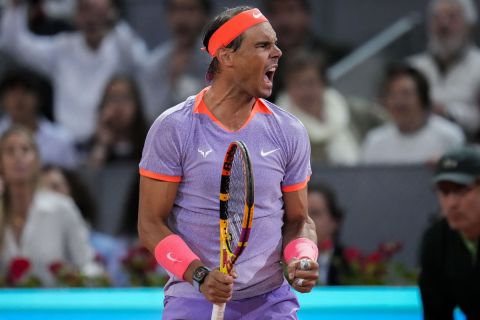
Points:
x=200, y=274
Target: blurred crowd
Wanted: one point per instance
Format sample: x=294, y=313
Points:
x=80, y=89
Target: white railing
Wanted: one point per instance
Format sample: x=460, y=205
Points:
x=374, y=45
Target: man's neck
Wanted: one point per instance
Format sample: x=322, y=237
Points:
x=228, y=104
x=415, y=125
x=446, y=62
x=94, y=43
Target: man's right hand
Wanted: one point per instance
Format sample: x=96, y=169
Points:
x=218, y=287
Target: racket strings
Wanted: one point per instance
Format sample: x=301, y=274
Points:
x=236, y=203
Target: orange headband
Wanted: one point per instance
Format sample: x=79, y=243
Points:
x=233, y=28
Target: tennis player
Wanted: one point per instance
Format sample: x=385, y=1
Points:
x=180, y=181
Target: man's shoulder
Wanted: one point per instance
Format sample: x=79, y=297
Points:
x=445, y=129
x=285, y=119
x=419, y=57
x=437, y=233
x=423, y=61
x=473, y=54
x=175, y=119
x=381, y=134
x=179, y=113
x=424, y=58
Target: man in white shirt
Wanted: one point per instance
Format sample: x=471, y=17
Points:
x=79, y=63
x=176, y=68
x=414, y=134
x=451, y=62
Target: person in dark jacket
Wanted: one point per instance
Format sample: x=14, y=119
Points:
x=450, y=269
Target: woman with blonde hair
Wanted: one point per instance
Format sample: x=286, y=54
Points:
x=36, y=224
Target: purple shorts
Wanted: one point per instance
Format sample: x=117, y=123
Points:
x=280, y=304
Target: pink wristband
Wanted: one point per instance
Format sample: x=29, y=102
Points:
x=173, y=254
x=300, y=248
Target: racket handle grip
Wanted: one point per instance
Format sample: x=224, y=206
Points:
x=218, y=311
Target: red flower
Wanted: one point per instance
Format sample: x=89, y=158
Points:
x=56, y=267
x=141, y=267
x=374, y=268
x=389, y=248
x=325, y=245
x=374, y=258
x=18, y=268
x=352, y=254
x=139, y=260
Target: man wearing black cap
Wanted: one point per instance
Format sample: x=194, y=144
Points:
x=450, y=275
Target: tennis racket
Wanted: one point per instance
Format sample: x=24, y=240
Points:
x=236, y=210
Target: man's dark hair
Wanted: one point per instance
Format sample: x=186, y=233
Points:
x=32, y=81
x=421, y=83
x=211, y=27
x=20, y=77
x=206, y=5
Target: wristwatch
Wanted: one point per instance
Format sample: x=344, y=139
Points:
x=199, y=276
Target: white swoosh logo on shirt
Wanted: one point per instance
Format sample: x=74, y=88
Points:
x=172, y=258
x=266, y=153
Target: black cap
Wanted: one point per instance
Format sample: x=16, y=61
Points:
x=460, y=166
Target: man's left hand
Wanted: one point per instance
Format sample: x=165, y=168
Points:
x=303, y=274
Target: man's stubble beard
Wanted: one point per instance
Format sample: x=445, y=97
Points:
x=447, y=49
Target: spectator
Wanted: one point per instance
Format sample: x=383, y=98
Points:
x=414, y=135
x=451, y=62
x=110, y=249
x=119, y=139
x=328, y=217
x=121, y=128
x=292, y=20
x=176, y=69
x=79, y=63
x=450, y=255
x=69, y=183
x=22, y=97
x=322, y=110
x=39, y=225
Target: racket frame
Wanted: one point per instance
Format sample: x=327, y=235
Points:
x=228, y=256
